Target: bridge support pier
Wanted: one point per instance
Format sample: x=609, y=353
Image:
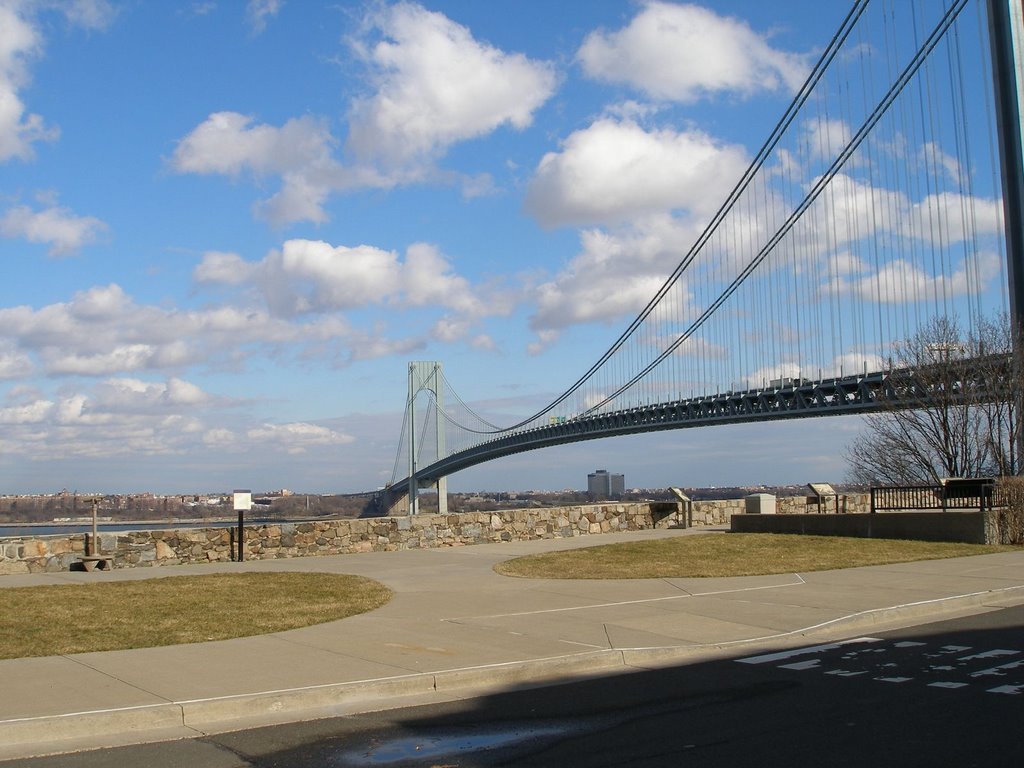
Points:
x=442, y=495
x=426, y=376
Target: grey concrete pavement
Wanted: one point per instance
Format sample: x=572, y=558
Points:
x=456, y=629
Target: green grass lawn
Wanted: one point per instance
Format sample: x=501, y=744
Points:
x=730, y=554
x=78, y=618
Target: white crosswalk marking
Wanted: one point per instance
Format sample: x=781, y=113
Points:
x=1013, y=690
x=989, y=654
x=801, y=665
x=1000, y=670
x=768, y=658
x=945, y=667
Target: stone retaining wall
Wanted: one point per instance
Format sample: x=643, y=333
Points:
x=383, y=534
x=335, y=537
x=720, y=511
x=970, y=527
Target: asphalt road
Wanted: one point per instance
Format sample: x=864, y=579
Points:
x=942, y=694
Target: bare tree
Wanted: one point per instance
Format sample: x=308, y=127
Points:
x=953, y=410
x=1004, y=411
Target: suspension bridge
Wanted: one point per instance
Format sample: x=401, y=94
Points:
x=889, y=194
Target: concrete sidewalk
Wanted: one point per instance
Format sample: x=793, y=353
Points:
x=456, y=629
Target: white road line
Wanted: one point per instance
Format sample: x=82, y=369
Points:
x=585, y=645
x=686, y=596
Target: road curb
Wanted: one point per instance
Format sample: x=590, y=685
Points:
x=225, y=713
x=534, y=672
x=30, y=736
x=889, y=617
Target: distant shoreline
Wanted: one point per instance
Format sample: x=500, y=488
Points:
x=12, y=530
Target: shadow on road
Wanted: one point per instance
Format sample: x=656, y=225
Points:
x=943, y=694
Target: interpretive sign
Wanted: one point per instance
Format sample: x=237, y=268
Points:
x=822, y=492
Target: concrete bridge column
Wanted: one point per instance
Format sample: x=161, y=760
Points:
x=426, y=375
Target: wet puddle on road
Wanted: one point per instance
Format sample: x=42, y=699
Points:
x=429, y=746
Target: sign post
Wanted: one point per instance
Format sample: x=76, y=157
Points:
x=243, y=503
x=821, y=491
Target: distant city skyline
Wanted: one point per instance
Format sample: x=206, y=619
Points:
x=227, y=227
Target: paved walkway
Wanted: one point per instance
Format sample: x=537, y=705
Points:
x=457, y=629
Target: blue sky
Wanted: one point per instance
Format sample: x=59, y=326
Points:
x=226, y=227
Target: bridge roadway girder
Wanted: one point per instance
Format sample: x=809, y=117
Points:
x=831, y=397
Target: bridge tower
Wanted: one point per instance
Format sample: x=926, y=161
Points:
x=1006, y=33
x=1006, y=39
x=426, y=377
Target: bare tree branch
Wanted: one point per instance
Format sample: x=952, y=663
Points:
x=969, y=424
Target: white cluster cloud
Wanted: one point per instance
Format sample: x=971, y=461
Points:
x=615, y=170
x=20, y=41
x=19, y=130
x=901, y=281
x=88, y=14
x=696, y=346
x=823, y=139
x=845, y=364
x=131, y=417
x=14, y=364
x=950, y=217
x=647, y=189
x=682, y=52
x=130, y=394
x=298, y=437
x=307, y=287
x=314, y=277
x=615, y=274
x=57, y=226
x=102, y=331
x=299, y=153
x=435, y=86
x=257, y=13
x=28, y=413
x=933, y=155
x=851, y=207
x=121, y=416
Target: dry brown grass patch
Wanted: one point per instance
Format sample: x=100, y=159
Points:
x=733, y=554
x=80, y=618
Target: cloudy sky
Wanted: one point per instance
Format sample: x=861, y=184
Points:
x=226, y=227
